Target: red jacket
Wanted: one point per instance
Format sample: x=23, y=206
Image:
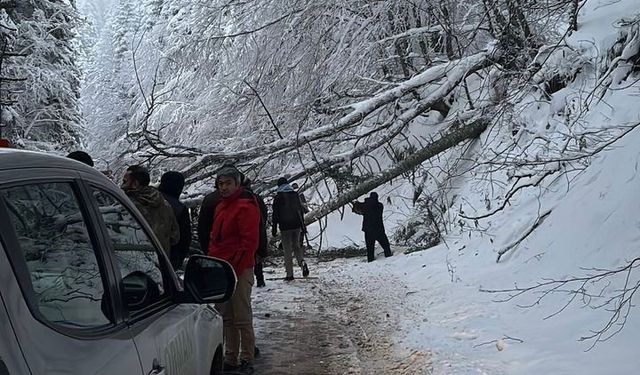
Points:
x=235, y=232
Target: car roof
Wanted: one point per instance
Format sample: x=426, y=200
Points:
x=21, y=159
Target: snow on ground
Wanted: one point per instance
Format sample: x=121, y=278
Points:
x=433, y=302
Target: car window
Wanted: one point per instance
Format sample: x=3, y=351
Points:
x=135, y=252
x=61, y=260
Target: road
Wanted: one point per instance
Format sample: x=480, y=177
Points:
x=321, y=325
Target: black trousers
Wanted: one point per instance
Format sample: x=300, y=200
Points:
x=370, y=238
x=257, y=271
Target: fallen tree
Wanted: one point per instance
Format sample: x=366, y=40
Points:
x=451, y=72
x=453, y=137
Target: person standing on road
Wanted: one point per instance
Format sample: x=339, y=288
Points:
x=205, y=221
x=372, y=225
x=155, y=209
x=289, y=216
x=234, y=237
x=171, y=185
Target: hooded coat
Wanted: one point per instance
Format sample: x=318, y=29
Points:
x=235, y=233
x=205, y=221
x=158, y=213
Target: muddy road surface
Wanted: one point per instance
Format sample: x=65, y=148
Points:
x=323, y=325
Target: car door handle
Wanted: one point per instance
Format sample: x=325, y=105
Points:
x=157, y=369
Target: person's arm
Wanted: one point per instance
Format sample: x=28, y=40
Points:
x=303, y=202
x=275, y=214
x=205, y=222
x=184, y=222
x=249, y=221
x=358, y=208
x=301, y=213
x=174, y=228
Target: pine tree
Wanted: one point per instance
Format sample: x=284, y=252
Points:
x=9, y=82
x=48, y=112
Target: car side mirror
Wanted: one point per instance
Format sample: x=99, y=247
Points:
x=209, y=280
x=139, y=290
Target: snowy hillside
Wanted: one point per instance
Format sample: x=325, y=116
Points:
x=569, y=224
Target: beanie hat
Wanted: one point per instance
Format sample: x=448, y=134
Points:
x=172, y=183
x=81, y=156
x=282, y=181
x=229, y=171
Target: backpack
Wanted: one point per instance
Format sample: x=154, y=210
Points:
x=290, y=210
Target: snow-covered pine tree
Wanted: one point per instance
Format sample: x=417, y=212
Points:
x=110, y=75
x=48, y=114
x=9, y=82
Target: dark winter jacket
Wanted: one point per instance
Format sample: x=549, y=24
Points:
x=371, y=210
x=288, y=213
x=205, y=218
x=235, y=233
x=263, y=244
x=184, y=225
x=158, y=213
x=205, y=221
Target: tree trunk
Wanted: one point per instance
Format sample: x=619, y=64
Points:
x=574, y=15
x=448, y=140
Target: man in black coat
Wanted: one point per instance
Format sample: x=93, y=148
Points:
x=171, y=185
x=288, y=214
x=372, y=225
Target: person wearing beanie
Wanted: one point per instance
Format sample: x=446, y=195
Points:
x=288, y=214
x=171, y=185
x=282, y=181
x=373, y=225
x=234, y=237
x=82, y=157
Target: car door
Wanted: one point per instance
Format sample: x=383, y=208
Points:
x=170, y=337
x=11, y=359
x=58, y=279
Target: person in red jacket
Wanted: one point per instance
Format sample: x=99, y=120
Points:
x=234, y=237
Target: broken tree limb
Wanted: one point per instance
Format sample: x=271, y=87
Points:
x=448, y=140
x=452, y=73
x=345, y=158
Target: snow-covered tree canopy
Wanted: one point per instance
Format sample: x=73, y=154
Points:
x=40, y=75
x=285, y=85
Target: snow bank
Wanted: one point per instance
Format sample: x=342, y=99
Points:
x=593, y=224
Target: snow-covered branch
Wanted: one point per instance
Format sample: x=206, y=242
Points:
x=450, y=139
x=452, y=73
